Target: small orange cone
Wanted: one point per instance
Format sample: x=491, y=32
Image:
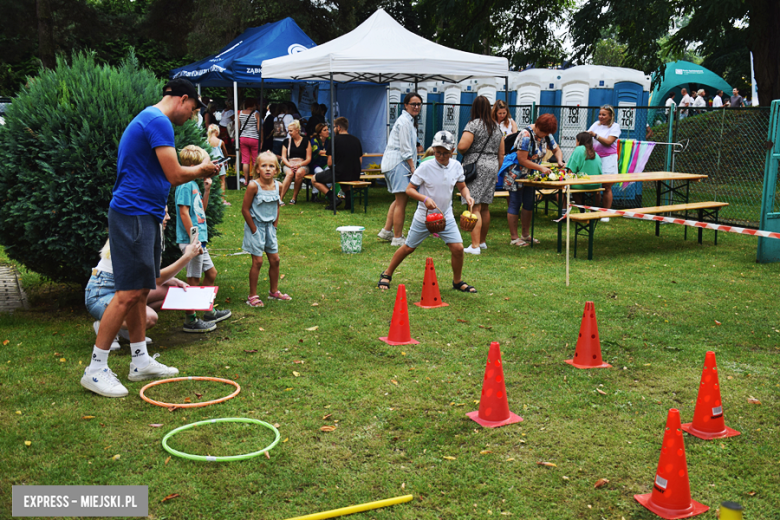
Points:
x=671, y=495
x=431, y=297
x=708, y=422
x=399, y=326
x=588, y=352
x=493, y=406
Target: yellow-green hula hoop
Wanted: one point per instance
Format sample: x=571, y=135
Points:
x=210, y=458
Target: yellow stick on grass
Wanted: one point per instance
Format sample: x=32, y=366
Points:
x=333, y=513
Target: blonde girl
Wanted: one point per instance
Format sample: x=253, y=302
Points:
x=500, y=115
x=261, y=216
x=218, y=149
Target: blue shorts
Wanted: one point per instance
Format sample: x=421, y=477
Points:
x=261, y=241
x=398, y=178
x=524, y=196
x=99, y=293
x=136, y=247
x=418, y=232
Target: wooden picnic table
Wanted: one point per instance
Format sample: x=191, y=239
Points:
x=671, y=188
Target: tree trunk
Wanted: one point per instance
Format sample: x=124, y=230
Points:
x=764, y=43
x=45, y=34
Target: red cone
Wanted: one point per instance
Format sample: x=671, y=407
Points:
x=399, y=326
x=588, y=352
x=493, y=406
x=431, y=297
x=708, y=422
x=671, y=495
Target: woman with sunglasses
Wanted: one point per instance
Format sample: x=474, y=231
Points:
x=398, y=164
x=605, y=134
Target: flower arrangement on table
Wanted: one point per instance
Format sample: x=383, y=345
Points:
x=557, y=174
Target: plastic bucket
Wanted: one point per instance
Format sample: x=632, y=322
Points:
x=351, y=239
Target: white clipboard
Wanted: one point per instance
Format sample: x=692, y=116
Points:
x=193, y=299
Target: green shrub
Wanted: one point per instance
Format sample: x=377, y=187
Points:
x=58, y=155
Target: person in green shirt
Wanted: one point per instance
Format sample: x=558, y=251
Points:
x=585, y=160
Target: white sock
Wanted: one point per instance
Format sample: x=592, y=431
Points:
x=99, y=360
x=139, y=354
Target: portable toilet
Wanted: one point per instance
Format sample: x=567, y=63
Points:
x=393, y=105
x=631, y=88
x=423, y=92
x=577, y=84
x=534, y=86
x=486, y=87
x=433, y=113
x=450, y=118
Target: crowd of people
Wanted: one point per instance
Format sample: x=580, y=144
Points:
x=698, y=101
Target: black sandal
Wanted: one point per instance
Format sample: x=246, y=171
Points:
x=464, y=287
x=384, y=281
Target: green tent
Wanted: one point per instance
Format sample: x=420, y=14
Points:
x=684, y=74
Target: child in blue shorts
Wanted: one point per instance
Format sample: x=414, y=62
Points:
x=261, y=216
x=431, y=185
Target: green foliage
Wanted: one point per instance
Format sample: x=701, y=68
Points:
x=58, y=155
x=609, y=52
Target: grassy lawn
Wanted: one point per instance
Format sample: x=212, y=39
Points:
x=399, y=412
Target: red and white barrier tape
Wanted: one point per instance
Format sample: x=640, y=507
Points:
x=691, y=223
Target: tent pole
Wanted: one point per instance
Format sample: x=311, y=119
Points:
x=333, y=144
x=506, y=93
x=262, y=110
x=198, y=89
x=236, y=144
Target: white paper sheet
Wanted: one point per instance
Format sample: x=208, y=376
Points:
x=193, y=298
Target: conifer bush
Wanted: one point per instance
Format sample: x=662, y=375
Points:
x=58, y=156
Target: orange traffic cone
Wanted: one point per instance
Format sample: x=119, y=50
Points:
x=671, y=495
x=588, y=352
x=493, y=407
x=431, y=297
x=708, y=422
x=399, y=326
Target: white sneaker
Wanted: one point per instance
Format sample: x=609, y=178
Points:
x=397, y=242
x=483, y=245
x=103, y=382
x=472, y=250
x=605, y=219
x=125, y=335
x=385, y=235
x=114, y=344
x=153, y=370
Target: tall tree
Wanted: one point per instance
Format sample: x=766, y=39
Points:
x=45, y=34
x=745, y=24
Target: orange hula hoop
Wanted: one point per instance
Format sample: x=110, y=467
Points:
x=190, y=405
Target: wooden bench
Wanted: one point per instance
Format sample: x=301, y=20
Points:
x=361, y=189
x=586, y=222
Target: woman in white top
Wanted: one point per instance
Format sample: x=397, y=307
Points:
x=605, y=134
x=501, y=116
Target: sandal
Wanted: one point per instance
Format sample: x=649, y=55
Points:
x=254, y=301
x=279, y=296
x=519, y=242
x=384, y=281
x=528, y=239
x=463, y=287
x=292, y=202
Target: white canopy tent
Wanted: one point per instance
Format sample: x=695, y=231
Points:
x=381, y=50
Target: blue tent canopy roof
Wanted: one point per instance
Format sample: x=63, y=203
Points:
x=679, y=74
x=240, y=60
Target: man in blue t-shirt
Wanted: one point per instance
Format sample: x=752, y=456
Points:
x=147, y=167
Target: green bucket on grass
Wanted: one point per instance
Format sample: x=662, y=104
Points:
x=351, y=239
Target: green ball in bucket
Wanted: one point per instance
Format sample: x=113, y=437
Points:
x=351, y=238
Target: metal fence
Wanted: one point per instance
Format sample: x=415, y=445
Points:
x=727, y=145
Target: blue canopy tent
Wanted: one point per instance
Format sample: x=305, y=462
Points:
x=238, y=64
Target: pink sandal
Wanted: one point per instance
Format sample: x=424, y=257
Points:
x=254, y=301
x=279, y=296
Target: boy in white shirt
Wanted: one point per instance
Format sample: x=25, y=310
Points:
x=431, y=185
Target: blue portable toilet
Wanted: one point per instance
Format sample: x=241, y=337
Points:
x=534, y=86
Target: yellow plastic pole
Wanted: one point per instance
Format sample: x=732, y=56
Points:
x=730, y=511
x=333, y=513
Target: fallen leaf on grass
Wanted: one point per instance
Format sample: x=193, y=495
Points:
x=485, y=452
x=27, y=443
x=602, y=392
x=198, y=395
x=172, y=408
x=751, y=493
x=261, y=329
x=62, y=360
x=403, y=485
x=506, y=299
x=313, y=328
x=461, y=321
x=326, y=416
x=250, y=351
x=717, y=322
x=286, y=439
x=601, y=483
x=282, y=277
x=169, y=497
x=315, y=304
x=88, y=417
x=267, y=455
x=753, y=400
x=296, y=374
x=156, y=425
x=548, y=464
x=187, y=400
x=447, y=457
x=116, y=457
x=167, y=460
x=298, y=362
x=328, y=428
x=484, y=327
x=5, y=342
x=227, y=300
x=394, y=382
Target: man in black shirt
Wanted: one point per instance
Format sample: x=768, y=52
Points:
x=349, y=161
x=315, y=119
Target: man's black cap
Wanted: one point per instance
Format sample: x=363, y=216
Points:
x=180, y=87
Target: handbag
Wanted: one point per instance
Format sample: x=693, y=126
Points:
x=470, y=170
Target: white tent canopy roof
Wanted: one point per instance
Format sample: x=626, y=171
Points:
x=380, y=50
